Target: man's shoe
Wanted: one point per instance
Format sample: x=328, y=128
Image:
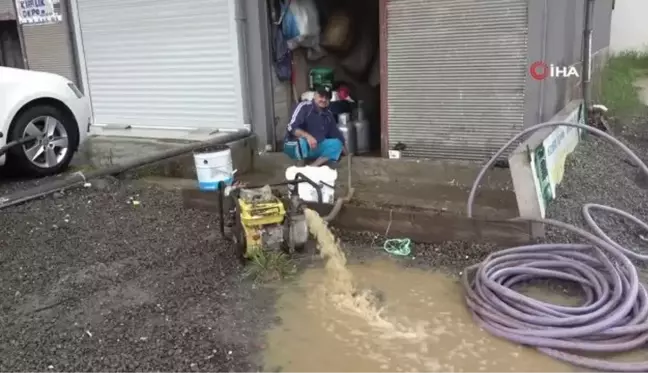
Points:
x=333, y=164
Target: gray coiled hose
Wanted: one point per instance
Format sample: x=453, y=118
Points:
x=614, y=316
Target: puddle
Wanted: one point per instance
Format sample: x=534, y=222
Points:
x=427, y=328
x=411, y=320
x=381, y=316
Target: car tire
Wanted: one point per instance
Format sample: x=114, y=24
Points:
x=52, y=158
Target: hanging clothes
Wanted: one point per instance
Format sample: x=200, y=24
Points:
x=282, y=55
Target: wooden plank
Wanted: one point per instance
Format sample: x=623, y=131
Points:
x=419, y=226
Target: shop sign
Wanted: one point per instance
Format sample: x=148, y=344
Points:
x=38, y=12
x=548, y=159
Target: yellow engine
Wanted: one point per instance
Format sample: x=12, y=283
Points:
x=264, y=223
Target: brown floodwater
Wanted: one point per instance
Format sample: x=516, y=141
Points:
x=423, y=325
x=380, y=316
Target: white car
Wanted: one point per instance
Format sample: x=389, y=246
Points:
x=48, y=107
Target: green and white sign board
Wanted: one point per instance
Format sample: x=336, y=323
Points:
x=548, y=159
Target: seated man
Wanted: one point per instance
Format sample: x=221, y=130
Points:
x=312, y=134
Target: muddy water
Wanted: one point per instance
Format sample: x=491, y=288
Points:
x=410, y=320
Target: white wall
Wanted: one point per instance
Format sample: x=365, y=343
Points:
x=629, y=25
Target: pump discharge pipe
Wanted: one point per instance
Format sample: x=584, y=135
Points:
x=4, y=149
x=80, y=178
x=337, y=207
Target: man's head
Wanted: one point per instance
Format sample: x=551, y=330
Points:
x=322, y=96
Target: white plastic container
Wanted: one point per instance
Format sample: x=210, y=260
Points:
x=323, y=176
x=213, y=165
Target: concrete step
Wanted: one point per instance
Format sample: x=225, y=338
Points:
x=440, y=199
x=406, y=170
x=103, y=151
x=403, y=211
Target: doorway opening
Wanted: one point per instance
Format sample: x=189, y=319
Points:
x=10, y=50
x=345, y=55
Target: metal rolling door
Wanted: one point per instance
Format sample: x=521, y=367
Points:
x=49, y=47
x=164, y=64
x=456, y=75
x=7, y=11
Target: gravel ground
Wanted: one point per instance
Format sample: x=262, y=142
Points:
x=91, y=282
x=601, y=173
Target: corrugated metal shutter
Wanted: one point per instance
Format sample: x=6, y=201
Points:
x=49, y=47
x=456, y=75
x=164, y=64
x=7, y=11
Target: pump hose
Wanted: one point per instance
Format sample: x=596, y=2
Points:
x=614, y=315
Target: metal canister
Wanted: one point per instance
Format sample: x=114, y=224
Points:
x=348, y=131
x=362, y=131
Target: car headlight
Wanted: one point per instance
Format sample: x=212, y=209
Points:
x=76, y=90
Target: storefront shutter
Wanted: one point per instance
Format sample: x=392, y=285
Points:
x=456, y=75
x=7, y=11
x=164, y=64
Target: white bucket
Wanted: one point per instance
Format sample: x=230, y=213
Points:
x=323, y=176
x=213, y=166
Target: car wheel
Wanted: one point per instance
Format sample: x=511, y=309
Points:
x=51, y=152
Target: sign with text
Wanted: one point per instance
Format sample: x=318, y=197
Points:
x=38, y=12
x=548, y=159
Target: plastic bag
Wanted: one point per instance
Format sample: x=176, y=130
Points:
x=289, y=26
x=301, y=27
x=282, y=57
x=306, y=16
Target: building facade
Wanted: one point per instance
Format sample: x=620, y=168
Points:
x=11, y=54
x=454, y=81
x=49, y=46
x=160, y=69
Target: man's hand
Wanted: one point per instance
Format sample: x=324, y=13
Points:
x=344, y=150
x=312, y=143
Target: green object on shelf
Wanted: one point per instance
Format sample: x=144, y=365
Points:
x=321, y=76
